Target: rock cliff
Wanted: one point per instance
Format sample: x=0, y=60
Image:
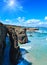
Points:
x=22, y=36
x=3, y=33
x=15, y=53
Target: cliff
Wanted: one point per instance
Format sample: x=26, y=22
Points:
x=16, y=34
x=14, y=53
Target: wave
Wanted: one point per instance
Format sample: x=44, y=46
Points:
x=41, y=31
x=26, y=47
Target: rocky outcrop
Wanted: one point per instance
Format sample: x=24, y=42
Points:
x=15, y=35
x=21, y=33
x=22, y=36
x=15, y=53
x=3, y=33
x=32, y=29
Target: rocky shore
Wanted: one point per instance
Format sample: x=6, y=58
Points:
x=15, y=37
x=16, y=34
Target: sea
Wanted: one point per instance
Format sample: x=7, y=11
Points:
x=34, y=52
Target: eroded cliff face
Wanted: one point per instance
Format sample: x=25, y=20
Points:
x=15, y=53
x=3, y=33
x=15, y=35
x=22, y=36
x=20, y=32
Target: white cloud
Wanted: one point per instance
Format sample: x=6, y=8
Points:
x=41, y=23
x=33, y=21
x=30, y=22
x=21, y=21
x=17, y=21
x=7, y=20
x=45, y=17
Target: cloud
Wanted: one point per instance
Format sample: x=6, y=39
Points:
x=7, y=20
x=21, y=21
x=16, y=21
x=32, y=20
x=45, y=17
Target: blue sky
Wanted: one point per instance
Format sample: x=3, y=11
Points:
x=24, y=12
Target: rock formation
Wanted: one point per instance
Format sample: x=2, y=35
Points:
x=22, y=36
x=3, y=33
x=21, y=33
x=15, y=36
x=15, y=53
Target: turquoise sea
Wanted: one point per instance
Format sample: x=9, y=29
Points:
x=38, y=43
x=34, y=52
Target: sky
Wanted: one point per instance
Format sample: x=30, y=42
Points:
x=29, y=13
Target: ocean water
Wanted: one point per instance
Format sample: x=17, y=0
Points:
x=38, y=43
x=34, y=52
